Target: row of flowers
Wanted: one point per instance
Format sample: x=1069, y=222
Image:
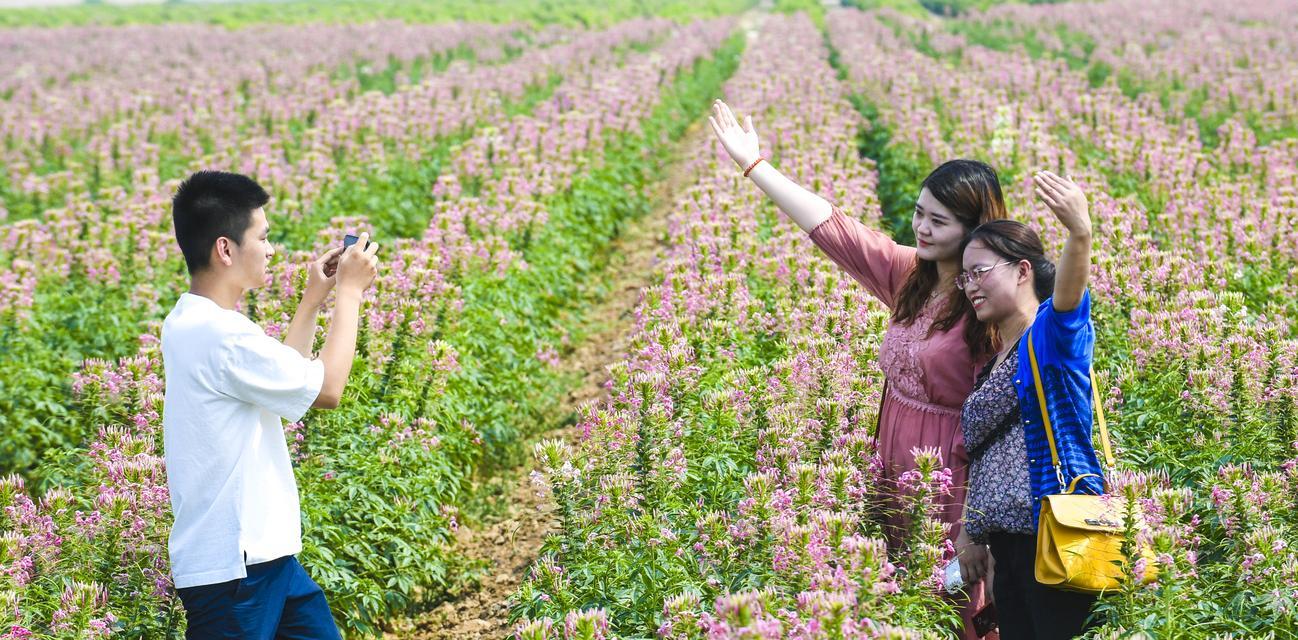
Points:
x=88, y=105
x=1203, y=58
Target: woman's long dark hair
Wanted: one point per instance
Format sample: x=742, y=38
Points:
x=1015, y=241
x=972, y=192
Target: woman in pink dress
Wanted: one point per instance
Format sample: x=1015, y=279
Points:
x=934, y=345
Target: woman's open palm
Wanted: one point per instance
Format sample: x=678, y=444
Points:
x=1065, y=199
x=740, y=141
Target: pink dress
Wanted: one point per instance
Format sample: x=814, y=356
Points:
x=928, y=377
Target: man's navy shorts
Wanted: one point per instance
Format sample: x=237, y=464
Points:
x=277, y=600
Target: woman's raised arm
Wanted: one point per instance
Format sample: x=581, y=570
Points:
x=1066, y=200
x=805, y=208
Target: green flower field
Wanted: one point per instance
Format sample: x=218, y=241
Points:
x=718, y=476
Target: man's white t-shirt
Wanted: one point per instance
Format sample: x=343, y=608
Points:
x=232, y=489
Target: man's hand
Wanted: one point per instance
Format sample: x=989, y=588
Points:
x=358, y=265
x=357, y=268
x=319, y=281
x=320, y=277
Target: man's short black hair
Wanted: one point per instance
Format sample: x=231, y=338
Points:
x=210, y=205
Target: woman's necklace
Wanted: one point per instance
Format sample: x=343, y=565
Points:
x=1005, y=353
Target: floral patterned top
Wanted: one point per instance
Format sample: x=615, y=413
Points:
x=932, y=373
x=1000, y=496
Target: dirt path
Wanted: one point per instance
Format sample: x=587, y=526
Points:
x=511, y=541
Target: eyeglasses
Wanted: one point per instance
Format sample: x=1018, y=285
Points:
x=975, y=275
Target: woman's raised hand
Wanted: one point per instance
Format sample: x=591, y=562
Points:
x=1066, y=200
x=1068, y=203
x=740, y=141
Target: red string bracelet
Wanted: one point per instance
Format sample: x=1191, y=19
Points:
x=751, y=166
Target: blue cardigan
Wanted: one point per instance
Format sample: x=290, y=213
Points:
x=1064, y=343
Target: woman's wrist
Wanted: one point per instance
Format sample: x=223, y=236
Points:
x=963, y=539
x=743, y=159
x=748, y=168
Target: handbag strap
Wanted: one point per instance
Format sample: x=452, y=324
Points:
x=1050, y=430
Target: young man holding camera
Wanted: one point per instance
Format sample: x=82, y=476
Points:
x=237, y=521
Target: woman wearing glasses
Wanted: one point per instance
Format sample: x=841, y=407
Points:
x=934, y=344
x=1014, y=288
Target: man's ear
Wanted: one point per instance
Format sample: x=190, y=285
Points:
x=223, y=251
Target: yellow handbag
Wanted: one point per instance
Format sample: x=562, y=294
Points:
x=1080, y=536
